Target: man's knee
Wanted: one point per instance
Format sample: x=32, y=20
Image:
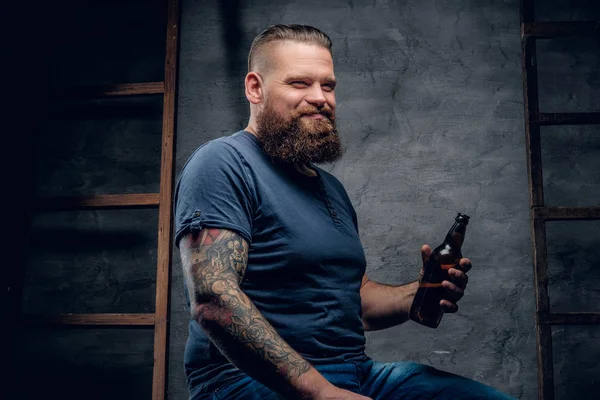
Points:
x=410, y=368
x=433, y=383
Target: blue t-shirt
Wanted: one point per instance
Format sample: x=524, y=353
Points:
x=305, y=259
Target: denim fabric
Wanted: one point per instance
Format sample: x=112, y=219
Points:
x=380, y=381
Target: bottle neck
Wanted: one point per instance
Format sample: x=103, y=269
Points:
x=456, y=234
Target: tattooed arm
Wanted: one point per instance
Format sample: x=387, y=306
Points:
x=214, y=263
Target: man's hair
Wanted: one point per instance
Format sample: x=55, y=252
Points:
x=280, y=32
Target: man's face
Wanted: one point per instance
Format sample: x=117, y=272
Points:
x=296, y=122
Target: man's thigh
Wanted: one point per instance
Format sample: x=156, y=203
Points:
x=408, y=380
x=245, y=388
x=343, y=375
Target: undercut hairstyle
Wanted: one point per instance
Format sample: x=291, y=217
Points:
x=279, y=33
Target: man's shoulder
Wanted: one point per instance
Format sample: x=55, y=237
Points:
x=230, y=149
x=225, y=144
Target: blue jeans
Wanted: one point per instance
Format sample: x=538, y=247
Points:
x=380, y=381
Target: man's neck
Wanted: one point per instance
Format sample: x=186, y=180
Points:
x=251, y=129
x=305, y=169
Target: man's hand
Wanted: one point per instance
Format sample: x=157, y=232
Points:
x=455, y=285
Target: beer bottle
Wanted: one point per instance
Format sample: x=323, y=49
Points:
x=426, y=308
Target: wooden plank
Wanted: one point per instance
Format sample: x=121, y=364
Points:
x=163, y=273
x=542, y=305
x=540, y=264
x=545, y=362
x=97, y=320
x=566, y=213
x=546, y=30
x=548, y=119
x=105, y=201
x=536, y=199
x=123, y=89
x=526, y=11
x=570, y=318
x=532, y=131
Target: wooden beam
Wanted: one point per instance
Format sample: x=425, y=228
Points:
x=546, y=119
x=566, y=213
x=542, y=305
x=527, y=11
x=532, y=130
x=546, y=30
x=570, y=318
x=163, y=273
x=122, y=89
x=536, y=199
x=102, y=320
x=104, y=201
x=545, y=362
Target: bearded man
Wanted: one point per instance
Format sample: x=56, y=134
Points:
x=273, y=263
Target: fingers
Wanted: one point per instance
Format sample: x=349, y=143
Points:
x=464, y=264
x=456, y=283
x=451, y=296
x=458, y=277
x=425, y=253
x=448, y=306
x=452, y=292
x=454, y=289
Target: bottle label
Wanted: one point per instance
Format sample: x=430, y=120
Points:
x=429, y=284
x=447, y=266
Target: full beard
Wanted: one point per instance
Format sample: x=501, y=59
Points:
x=299, y=139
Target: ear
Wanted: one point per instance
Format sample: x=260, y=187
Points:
x=254, y=88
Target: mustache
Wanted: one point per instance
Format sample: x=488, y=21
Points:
x=325, y=111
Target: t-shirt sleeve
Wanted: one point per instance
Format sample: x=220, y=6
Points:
x=214, y=190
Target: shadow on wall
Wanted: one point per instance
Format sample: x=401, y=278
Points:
x=78, y=364
x=235, y=53
x=66, y=240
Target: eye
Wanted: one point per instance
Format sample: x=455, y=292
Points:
x=299, y=84
x=329, y=87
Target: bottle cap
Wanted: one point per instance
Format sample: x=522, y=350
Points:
x=462, y=218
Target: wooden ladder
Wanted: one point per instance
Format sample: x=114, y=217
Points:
x=158, y=320
x=531, y=31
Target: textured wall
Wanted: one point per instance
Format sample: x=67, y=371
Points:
x=430, y=110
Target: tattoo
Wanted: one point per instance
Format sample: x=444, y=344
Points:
x=215, y=262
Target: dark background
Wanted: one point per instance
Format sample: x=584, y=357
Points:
x=430, y=111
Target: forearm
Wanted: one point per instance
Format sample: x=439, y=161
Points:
x=247, y=339
x=384, y=305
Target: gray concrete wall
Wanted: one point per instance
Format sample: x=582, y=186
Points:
x=431, y=114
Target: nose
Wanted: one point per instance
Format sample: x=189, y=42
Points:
x=316, y=96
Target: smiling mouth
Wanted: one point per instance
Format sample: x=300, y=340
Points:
x=314, y=116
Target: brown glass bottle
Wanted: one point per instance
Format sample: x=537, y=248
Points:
x=426, y=308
